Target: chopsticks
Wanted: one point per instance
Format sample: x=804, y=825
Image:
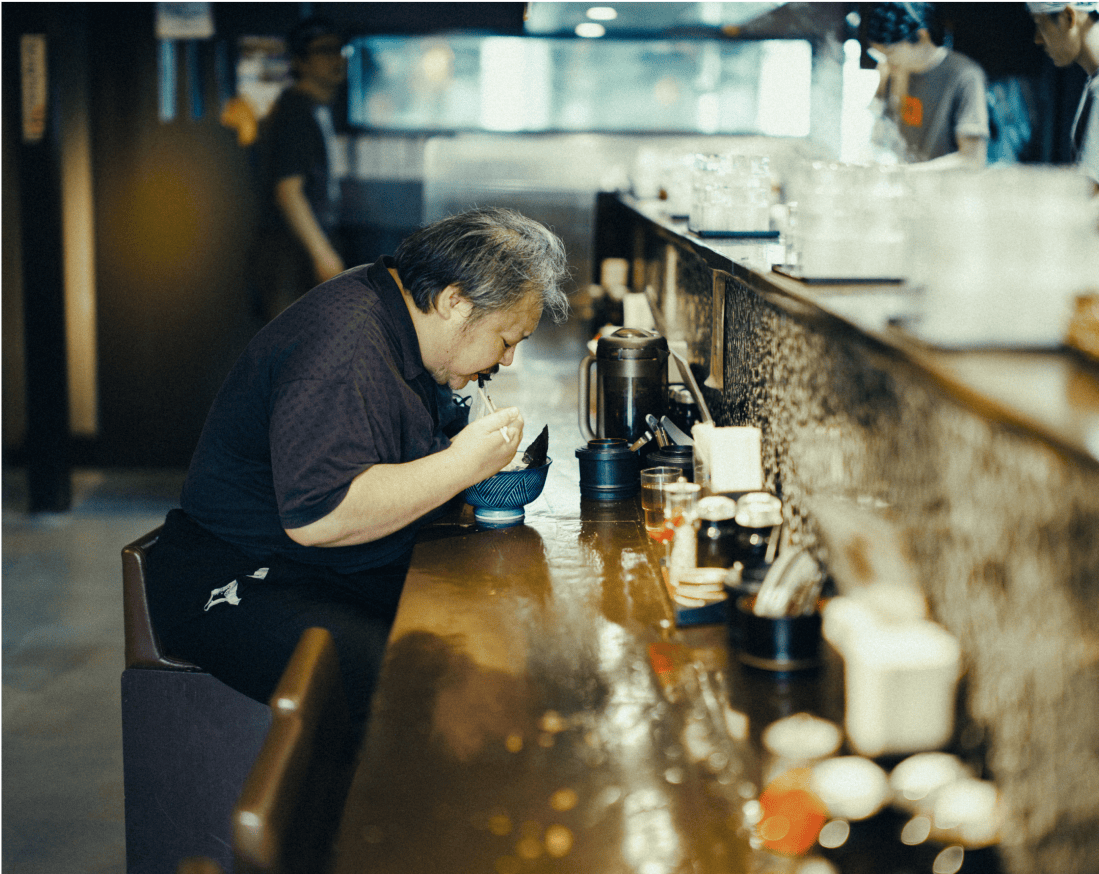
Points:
x=484, y=397
x=491, y=406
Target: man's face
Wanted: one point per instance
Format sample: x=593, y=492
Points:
x=900, y=55
x=1054, y=35
x=324, y=61
x=481, y=345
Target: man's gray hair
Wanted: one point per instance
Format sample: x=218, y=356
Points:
x=496, y=257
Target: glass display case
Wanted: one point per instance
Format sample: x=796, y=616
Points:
x=535, y=84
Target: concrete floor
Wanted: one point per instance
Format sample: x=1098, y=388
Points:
x=62, y=662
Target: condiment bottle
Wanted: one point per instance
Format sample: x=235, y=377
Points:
x=758, y=514
x=717, y=532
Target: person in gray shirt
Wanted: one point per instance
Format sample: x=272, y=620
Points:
x=936, y=97
x=1069, y=33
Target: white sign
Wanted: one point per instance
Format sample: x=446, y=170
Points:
x=184, y=20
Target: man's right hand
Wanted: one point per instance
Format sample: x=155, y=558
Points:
x=482, y=445
x=386, y=497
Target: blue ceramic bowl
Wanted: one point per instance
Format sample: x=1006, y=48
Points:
x=498, y=501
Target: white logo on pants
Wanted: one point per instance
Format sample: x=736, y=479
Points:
x=228, y=594
x=224, y=595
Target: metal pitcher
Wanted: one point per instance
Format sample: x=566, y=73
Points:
x=631, y=382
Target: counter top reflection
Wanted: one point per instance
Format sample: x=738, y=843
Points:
x=537, y=709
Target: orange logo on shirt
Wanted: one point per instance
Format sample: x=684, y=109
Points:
x=912, y=111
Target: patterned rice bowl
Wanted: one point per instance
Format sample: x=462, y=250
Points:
x=498, y=501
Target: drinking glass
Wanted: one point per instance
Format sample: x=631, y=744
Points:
x=1002, y=254
x=680, y=511
x=680, y=504
x=848, y=221
x=653, y=481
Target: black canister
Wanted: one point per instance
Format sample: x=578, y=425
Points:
x=674, y=455
x=609, y=470
x=682, y=408
x=757, y=516
x=717, y=532
x=784, y=643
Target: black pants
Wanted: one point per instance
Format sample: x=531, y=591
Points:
x=240, y=618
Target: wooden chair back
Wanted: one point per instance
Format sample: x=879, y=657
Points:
x=143, y=649
x=286, y=819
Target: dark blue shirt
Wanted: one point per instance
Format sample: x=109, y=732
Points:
x=293, y=142
x=334, y=385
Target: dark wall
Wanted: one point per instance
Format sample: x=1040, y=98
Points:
x=998, y=36
x=173, y=222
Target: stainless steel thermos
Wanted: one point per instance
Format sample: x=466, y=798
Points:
x=631, y=382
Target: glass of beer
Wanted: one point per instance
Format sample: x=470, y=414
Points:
x=653, y=480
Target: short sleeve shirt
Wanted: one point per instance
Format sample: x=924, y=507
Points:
x=948, y=101
x=331, y=387
x=1086, y=130
x=294, y=141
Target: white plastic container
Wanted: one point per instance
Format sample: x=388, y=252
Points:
x=900, y=684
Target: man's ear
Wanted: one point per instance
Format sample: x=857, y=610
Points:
x=452, y=303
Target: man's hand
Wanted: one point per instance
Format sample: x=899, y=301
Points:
x=488, y=445
x=327, y=264
x=387, y=497
x=295, y=208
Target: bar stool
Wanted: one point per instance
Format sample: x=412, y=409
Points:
x=188, y=742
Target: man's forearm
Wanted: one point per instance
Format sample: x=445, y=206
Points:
x=974, y=149
x=387, y=497
x=292, y=203
x=383, y=499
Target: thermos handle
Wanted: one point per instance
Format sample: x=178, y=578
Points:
x=584, y=402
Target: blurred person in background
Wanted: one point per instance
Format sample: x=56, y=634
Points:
x=936, y=97
x=1069, y=32
x=299, y=198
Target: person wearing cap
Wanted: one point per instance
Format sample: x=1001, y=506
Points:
x=299, y=198
x=935, y=96
x=1069, y=33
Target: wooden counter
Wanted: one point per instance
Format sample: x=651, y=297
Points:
x=537, y=709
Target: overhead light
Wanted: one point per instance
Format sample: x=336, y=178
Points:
x=602, y=13
x=651, y=19
x=590, y=29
